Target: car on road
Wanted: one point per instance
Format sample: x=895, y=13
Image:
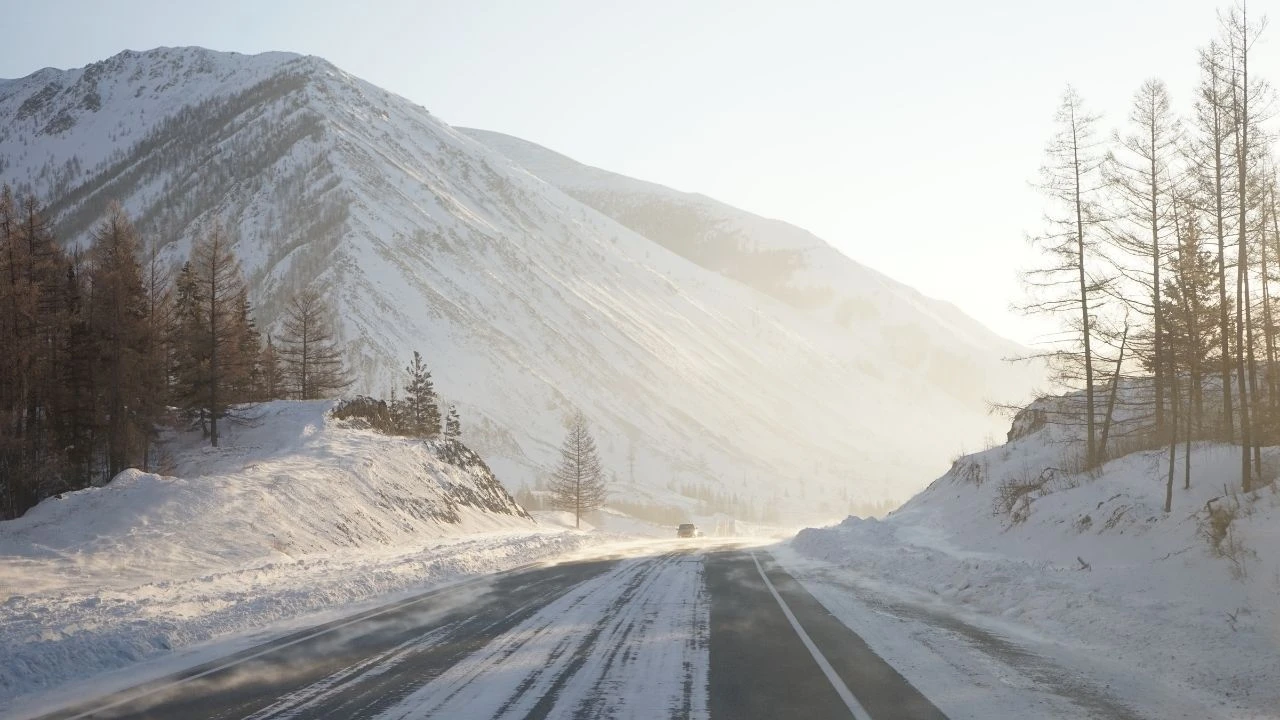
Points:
x=686, y=530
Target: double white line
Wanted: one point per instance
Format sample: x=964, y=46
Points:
x=855, y=707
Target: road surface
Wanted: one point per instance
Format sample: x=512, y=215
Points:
x=687, y=633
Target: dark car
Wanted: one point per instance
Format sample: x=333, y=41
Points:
x=686, y=530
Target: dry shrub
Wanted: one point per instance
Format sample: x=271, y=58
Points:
x=968, y=470
x=1014, y=495
x=1217, y=526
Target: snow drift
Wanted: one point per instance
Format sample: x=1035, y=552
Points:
x=294, y=514
x=1093, y=563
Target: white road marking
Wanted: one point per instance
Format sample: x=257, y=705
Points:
x=855, y=708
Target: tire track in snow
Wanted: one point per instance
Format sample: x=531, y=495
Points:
x=630, y=643
x=322, y=691
x=363, y=689
x=532, y=645
x=653, y=661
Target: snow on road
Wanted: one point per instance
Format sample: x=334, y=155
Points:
x=630, y=643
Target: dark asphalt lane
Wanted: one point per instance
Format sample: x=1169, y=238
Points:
x=436, y=629
x=774, y=652
x=761, y=667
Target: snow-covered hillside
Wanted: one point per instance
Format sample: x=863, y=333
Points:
x=1088, y=571
x=866, y=315
x=293, y=515
x=527, y=303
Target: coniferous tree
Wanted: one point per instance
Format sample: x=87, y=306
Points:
x=453, y=424
x=578, y=484
x=244, y=364
x=1191, y=309
x=1209, y=156
x=420, y=407
x=1069, y=284
x=1239, y=37
x=158, y=286
x=1142, y=176
x=32, y=270
x=271, y=380
x=212, y=332
x=312, y=358
x=122, y=335
x=78, y=405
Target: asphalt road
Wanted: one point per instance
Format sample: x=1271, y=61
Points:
x=722, y=633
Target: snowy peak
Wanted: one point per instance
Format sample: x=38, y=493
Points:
x=529, y=300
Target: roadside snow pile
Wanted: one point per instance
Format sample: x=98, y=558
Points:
x=1091, y=562
x=294, y=514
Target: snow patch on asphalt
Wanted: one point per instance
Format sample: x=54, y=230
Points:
x=629, y=643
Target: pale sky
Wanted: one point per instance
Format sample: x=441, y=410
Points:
x=905, y=134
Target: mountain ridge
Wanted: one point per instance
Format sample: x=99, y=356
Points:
x=527, y=303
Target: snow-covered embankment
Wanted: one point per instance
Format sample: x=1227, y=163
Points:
x=1088, y=569
x=295, y=518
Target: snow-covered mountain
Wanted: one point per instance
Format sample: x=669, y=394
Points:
x=801, y=390
x=876, y=315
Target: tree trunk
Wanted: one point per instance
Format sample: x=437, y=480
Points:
x=1173, y=450
x=1111, y=399
x=1091, y=457
x=1241, y=103
x=1156, y=324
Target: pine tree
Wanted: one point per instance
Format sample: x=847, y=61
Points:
x=578, y=484
x=420, y=406
x=453, y=424
x=312, y=359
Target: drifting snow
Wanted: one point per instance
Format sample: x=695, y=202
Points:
x=1096, y=581
x=292, y=516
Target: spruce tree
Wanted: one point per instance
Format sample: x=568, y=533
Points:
x=421, y=410
x=453, y=424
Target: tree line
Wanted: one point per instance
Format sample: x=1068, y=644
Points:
x=416, y=414
x=105, y=344
x=1161, y=248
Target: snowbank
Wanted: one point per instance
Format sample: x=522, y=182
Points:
x=1092, y=563
x=292, y=515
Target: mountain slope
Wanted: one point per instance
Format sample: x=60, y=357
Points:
x=796, y=267
x=527, y=303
